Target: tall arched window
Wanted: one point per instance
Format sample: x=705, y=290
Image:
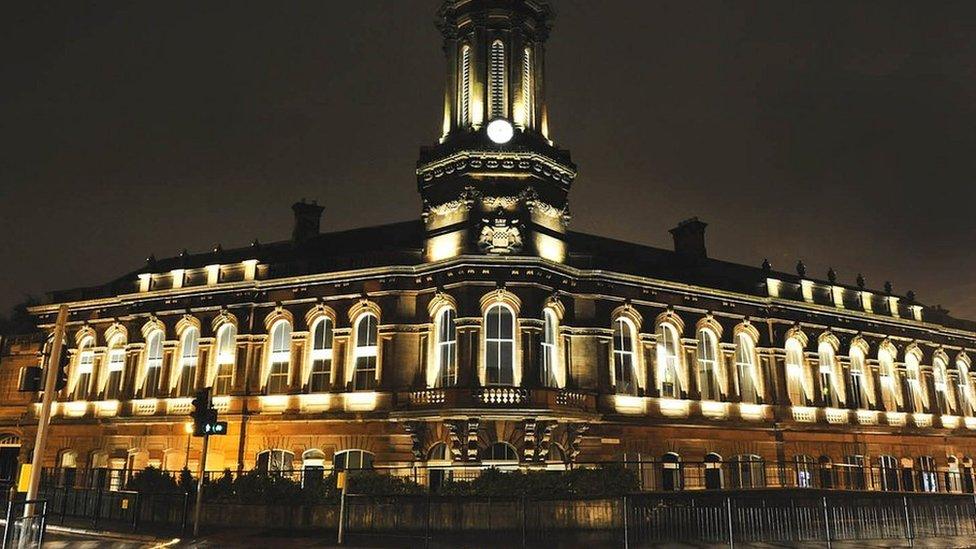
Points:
x=928, y=478
x=154, y=364
x=745, y=368
x=963, y=387
x=321, y=356
x=86, y=365
x=859, y=393
x=189, y=351
x=116, y=364
x=226, y=358
x=668, y=360
x=671, y=475
x=708, y=365
x=829, y=392
x=527, y=87
x=548, y=350
x=748, y=471
x=913, y=378
x=464, y=85
x=500, y=345
x=888, y=466
x=804, y=470
x=279, y=358
x=796, y=372
x=889, y=384
x=446, y=348
x=940, y=379
x=624, y=357
x=365, y=353
x=496, y=80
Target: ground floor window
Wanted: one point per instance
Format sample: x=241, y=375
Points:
x=352, y=459
x=275, y=461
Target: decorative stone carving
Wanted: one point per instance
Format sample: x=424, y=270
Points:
x=500, y=235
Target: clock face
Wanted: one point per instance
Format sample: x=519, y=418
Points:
x=500, y=131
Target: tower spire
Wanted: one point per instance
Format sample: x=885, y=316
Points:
x=495, y=183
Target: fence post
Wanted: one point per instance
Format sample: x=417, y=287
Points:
x=826, y=516
x=97, y=509
x=728, y=513
x=522, y=508
x=9, y=528
x=135, y=511
x=186, y=506
x=427, y=524
x=626, y=532
x=908, y=523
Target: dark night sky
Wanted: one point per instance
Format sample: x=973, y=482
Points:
x=839, y=132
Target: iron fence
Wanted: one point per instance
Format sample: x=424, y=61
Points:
x=652, y=475
x=25, y=524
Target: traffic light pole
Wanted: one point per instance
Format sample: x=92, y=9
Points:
x=43, y=423
x=202, y=470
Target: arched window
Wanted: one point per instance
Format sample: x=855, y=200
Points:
x=916, y=396
x=953, y=479
x=321, y=356
x=86, y=364
x=496, y=80
x=464, y=84
x=668, y=360
x=713, y=471
x=116, y=364
x=829, y=392
x=313, y=467
x=624, y=357
x=672, y=477
x=189, y=351
x=446, y=348
x=889, y=383
x=279, y=358
x=154, y=364
x=275, y=461
x=500, y=345
x=708, y=365
x=548, y=350
x=226, y=358
x=859, y=393
x=928, y=478
x=804, y=470
x=748, y=471
x=796, y=373
x=745, y=368
x=888, y=469
x=940, y=380
x=500, y=452
x=352, y=459
x=527, y=88
x=366, y=353
x=964, y=388
x=853, y=468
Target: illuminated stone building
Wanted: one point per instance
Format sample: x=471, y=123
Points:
x=486, y=332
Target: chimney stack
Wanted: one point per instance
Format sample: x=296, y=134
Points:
x=307, y=219
x=689, y=239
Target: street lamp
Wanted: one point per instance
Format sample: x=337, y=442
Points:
x=188, y=427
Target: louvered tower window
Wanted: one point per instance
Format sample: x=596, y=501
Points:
x=527, y=85
x=496, y=80
x=465, y=85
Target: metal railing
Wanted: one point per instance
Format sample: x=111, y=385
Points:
x=651, y=475
x=25, y=524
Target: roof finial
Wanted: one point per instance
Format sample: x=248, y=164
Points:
x=766, y=265
x=860, y=281
x=887, y=287
x=801, y=269
x=831, y=275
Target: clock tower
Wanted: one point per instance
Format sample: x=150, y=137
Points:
x=495, y=183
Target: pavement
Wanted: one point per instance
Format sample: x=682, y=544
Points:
x=58, y=537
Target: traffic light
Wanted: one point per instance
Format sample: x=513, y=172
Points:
x=205, y=416
x=32, y=378
x=62, y=373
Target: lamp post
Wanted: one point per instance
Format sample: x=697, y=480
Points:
x=188, y=427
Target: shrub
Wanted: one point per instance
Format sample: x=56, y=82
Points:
x=152, y=481
x=608, y=480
